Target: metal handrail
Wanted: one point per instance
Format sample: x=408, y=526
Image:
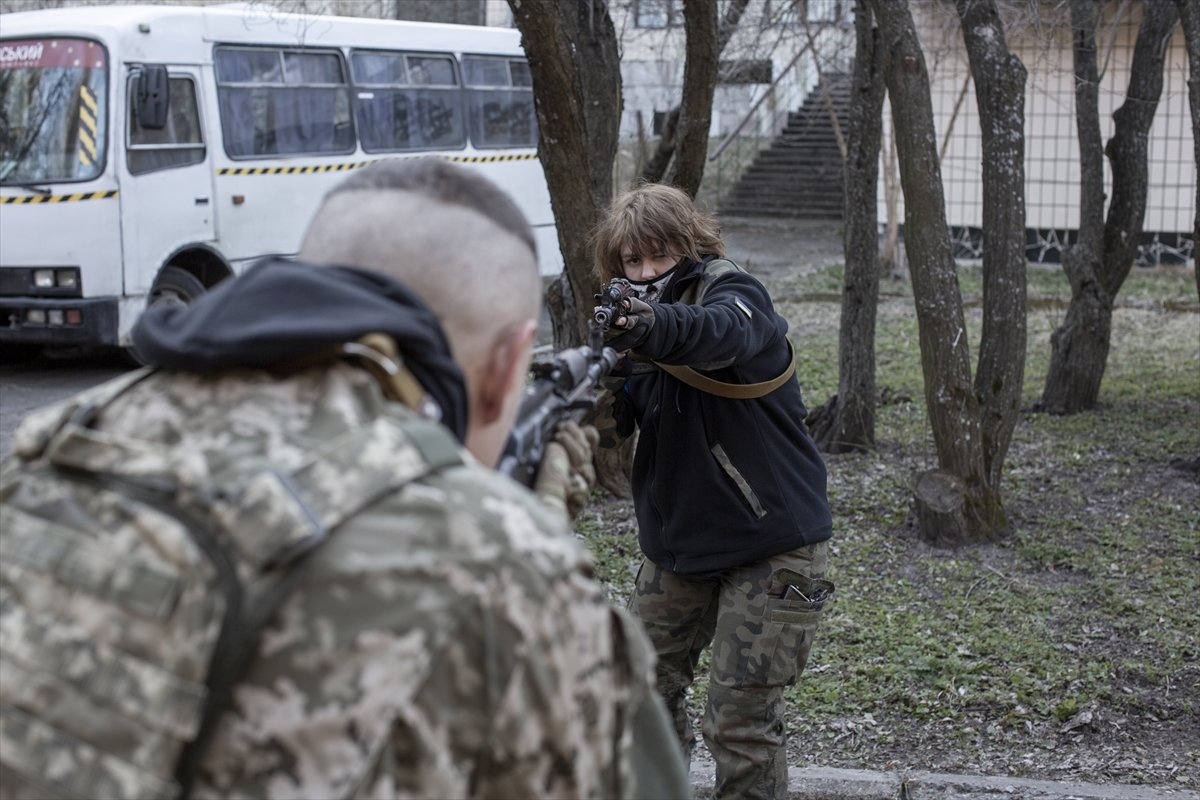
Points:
x=770, y=90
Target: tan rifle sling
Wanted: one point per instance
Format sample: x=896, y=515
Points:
x=734, y=391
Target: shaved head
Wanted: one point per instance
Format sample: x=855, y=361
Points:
x=452, y=236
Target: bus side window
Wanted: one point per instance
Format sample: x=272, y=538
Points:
x=500, y=98
x=176, y=144
x=283, y=101
x=407, y=101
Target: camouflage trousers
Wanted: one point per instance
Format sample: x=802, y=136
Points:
x=761, y=630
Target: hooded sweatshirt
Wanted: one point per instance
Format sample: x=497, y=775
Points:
x=280, y=311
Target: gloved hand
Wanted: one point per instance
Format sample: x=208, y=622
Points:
x=566, y=476
x=630, y=329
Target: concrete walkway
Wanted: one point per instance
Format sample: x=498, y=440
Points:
x=823, y=783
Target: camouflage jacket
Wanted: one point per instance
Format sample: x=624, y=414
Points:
x=448, y=640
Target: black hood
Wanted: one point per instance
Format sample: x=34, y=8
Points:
x=280, y=310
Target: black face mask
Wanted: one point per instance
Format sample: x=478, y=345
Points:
x=652, y=290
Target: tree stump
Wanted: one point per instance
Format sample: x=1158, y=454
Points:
x=941, y=499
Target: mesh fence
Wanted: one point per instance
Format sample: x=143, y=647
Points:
x=1040, y=34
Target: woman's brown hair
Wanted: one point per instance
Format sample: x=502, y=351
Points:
x=651, y=219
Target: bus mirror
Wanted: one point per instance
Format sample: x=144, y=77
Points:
x=153, y=96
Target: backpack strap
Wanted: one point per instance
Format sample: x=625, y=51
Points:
x=694, y=295
x=717, y=268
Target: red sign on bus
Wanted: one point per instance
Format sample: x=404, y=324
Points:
x=51, y=53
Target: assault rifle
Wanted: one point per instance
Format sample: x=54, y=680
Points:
x=611, y=303
x=562, y=387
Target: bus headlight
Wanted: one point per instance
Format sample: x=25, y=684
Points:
x=62, y=279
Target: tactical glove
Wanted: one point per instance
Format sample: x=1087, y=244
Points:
x=566, y=476
x=632, y=328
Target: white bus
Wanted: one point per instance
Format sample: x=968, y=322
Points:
x=148, y=151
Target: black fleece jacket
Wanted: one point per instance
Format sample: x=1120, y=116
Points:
x=720, y=483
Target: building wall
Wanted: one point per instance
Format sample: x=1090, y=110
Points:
x=652, y=60
x=1041, y=37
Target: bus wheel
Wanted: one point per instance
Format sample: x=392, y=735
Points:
x=176, y=284
x=173, y=285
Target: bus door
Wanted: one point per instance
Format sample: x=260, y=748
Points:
x=167, y=176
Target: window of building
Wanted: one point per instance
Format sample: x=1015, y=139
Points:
x=275, y=101
x=745, y=71
x=784, y=13
x=407, y=101
x=178, y=143
x=794, y=13
x=826, y=10
x=658, y=122
x=500, y=100
x=657, y=13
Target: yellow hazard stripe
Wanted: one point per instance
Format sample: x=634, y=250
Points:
x=489, y=159
x=290, y=170
x=87, y=119
x=89, y=99
x=87, y=127
x=360, y=164
x=56, y=198
x=87, y=144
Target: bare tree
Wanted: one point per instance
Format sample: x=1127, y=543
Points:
x=1189, y=16
x=1079, y=347
x=847, y=421
x=955, y=503
x=699, y=83
x=1000, y=94
x=701, y=62
x=571, y=46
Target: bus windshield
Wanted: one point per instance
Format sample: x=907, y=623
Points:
x=52, y=110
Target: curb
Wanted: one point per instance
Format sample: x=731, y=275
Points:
x=824, y=783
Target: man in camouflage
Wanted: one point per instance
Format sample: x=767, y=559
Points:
x=446, y=640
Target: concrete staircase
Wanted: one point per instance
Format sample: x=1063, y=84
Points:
x=800, y=173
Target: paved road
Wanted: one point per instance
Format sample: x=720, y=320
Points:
x=28, y=383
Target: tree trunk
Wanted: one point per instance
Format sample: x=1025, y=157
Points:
x=1000, y=94
x=655, y=167
x=945, y=358
x=1128, y=150
x=699, y=82
x=572, y=51
x=1073, y=353
x=1189, y=16
x=847, y=421
x=573, y=60
x=1079, y=348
